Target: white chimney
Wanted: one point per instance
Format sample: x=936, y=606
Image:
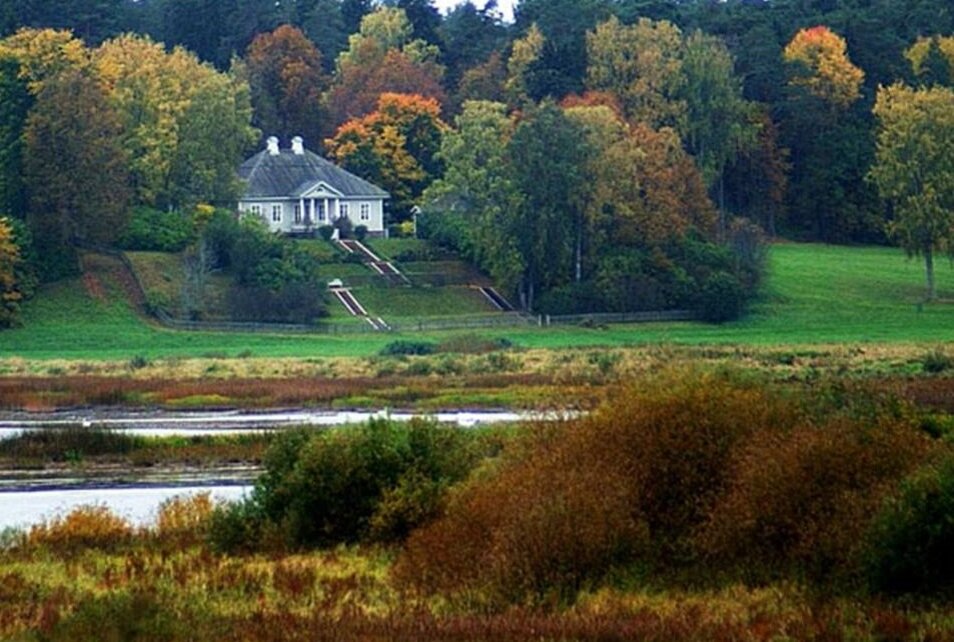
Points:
x=298, y=145
x=272, y=143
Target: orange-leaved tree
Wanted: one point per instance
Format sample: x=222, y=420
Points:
x=822, y=66
x=395, y=146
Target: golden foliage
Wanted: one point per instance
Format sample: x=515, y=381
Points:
x=43, y=53
x=826, y=71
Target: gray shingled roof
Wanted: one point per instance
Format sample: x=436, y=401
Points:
x=288, y=174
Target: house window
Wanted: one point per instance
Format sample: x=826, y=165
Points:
x=366, y=211
x=321, y=210
x=256, y=210
x=276, y=213
x=297, y=213
x=343, y=210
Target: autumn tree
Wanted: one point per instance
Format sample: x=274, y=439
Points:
x=395, y=147
x=474, y=204
x=75, y=169
x=485, y=81
x=524, y=56
x=932, y=60
x=156, y=93
x=43, y=53
x=914, y=169
x=820, y=64
x=646, y=191
x=757, y=180
x=831, y=141
x=642, y=65
x=383, y=58
x=286, y=80
x=14, y=284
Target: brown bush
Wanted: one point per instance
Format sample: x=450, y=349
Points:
x=803, y=498
x=629, y=483
x=83, y=527
x=183, y=521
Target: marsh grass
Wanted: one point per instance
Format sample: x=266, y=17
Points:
x=699, y=506
x=92, y=445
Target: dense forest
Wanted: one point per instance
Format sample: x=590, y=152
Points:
x=592, y=155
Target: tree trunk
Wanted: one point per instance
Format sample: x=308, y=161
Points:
x=722, y=223
x=929, y=271
x=579, y=253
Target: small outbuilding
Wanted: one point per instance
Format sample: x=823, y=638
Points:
x=296, y=191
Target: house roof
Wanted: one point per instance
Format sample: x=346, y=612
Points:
x=288, y=175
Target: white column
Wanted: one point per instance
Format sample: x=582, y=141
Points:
x=301, y=209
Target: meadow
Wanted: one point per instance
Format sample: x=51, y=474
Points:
x=814, y=295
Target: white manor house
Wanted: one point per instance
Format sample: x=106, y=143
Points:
x=296, y=191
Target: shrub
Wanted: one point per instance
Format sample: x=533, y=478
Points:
x=137, y=615
x=473, y=344
x=154, y=230
x=800, y=499
x=326, y=231
x=360, y=232
x=84, y=527
x=936, y=361
x=405, y=347
x=219, y=235
x=138, y=362
x=300, y=303
x=184, y=521
x=721, y=298
x=235, y=527
x=628, y=484
x=912, y=535
x=373, y=482
x=344, y=227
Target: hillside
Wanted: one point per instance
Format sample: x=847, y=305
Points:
x=814, y=294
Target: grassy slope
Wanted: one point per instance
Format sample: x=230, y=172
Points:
x=815, y=294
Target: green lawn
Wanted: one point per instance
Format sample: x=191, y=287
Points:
x=815, y=294
x=416, y=303
x=388, y=249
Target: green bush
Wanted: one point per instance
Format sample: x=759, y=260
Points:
x=373, y=482
x=721, y=298
x=936, y=361
x=360, y=232
x=219, y=234
x=325, y=231
x=405, y=347
x=912, y=537
x=153, y=230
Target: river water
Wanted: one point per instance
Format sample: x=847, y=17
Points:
x=166, y=424
x=20, y=509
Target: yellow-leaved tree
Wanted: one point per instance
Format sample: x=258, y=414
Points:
x=820, y=58
x=914, y=169
x=181, y=120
